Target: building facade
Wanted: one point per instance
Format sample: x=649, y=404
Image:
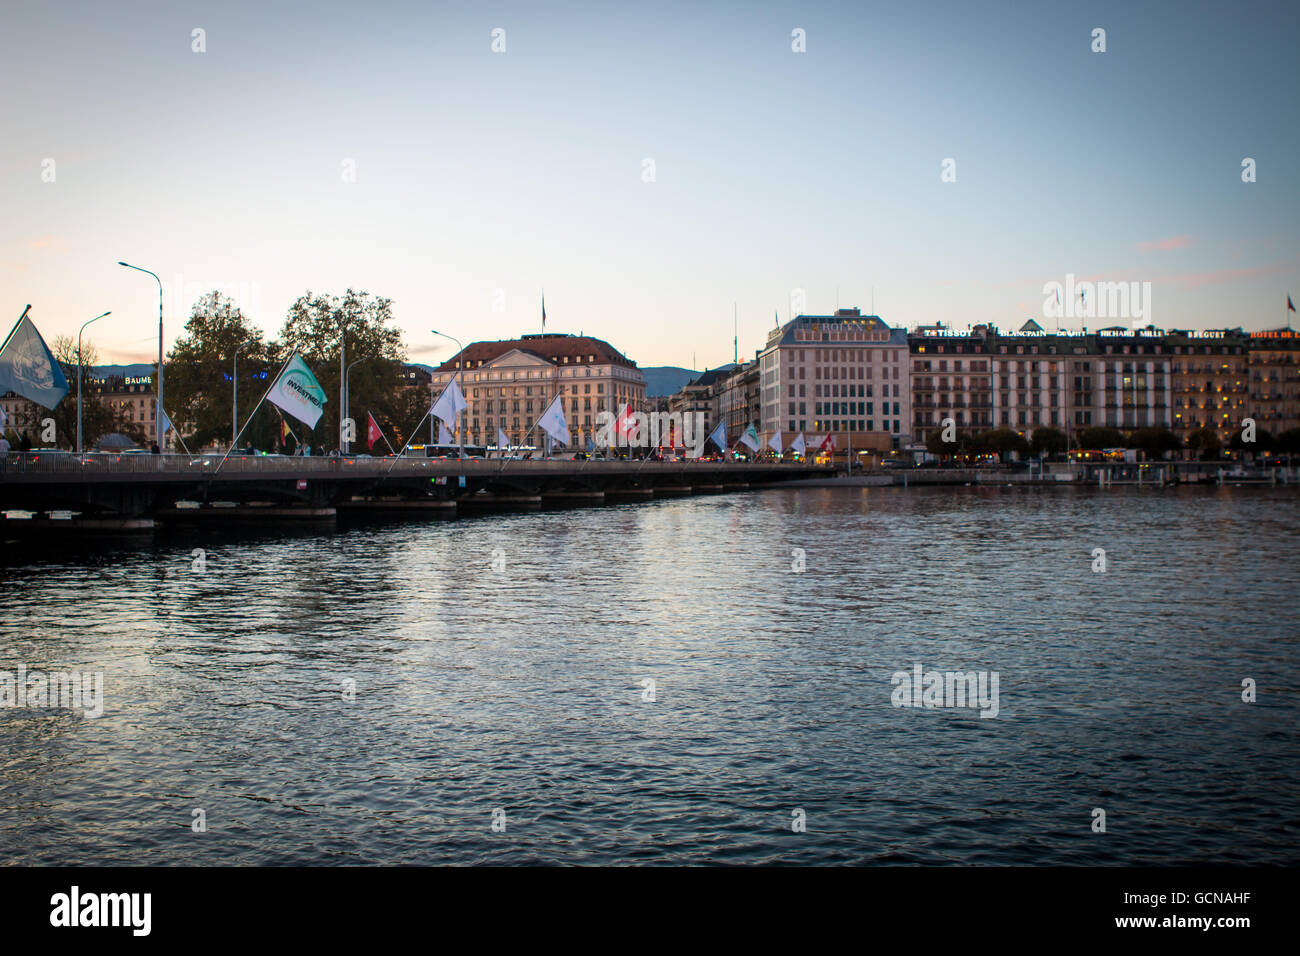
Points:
x=1273, y=365
x=843, y=375
x=508, y=384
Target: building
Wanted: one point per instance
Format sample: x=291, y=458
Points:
x=1211, y=382
x=740, y=399
x=1029, y=379
x=1273, y=364
x=845, y=375
x=129, y=400
x=702, y=396
x=508, y=384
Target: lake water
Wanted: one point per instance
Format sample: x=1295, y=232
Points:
x=477, y=690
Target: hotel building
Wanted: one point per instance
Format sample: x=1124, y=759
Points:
x=1211, y=382
x=508, y=384
x=1273, y=364
x=844, y=374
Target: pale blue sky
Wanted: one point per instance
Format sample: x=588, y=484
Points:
x=775, y=170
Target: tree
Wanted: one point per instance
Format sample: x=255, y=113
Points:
x=1264, y=441
x=1205, y=442
x=1096, y=438
x=1154, y=441
x=1289, y=442
x=199, y=370
x=315, y=326
x=1048, y=441
x=1002, y=441
x=96, y=418
x=935, y=444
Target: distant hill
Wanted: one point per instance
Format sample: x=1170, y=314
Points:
x=664, y=380
x=139, y=370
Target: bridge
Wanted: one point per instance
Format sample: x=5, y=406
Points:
x=135, y=493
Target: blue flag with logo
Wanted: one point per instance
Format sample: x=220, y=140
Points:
x=28, y=369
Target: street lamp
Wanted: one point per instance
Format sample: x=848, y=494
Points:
x=80, y=367
x=234, y=394
x=347, y=401
x=460, y=430
x=160, y=416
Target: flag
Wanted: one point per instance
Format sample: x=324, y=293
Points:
x=450, y=403
x=1290, y=306
x=166, y=422
x=543, y=311
x=625, y=425
x=502, y=440
x=297, y=392
x=828, y=444
x=774, y=443
x=444, y=436
x=719, y=436
x=591, y=445
x=373, y=432
x=552, y=421
x=28, y=369
x=750, y=438
x=797, y=446
x=284, y=430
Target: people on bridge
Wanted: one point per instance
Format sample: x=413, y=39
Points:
x=4, y=445
x=25, y=442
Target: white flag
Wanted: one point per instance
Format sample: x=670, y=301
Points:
x=297, y=392
x=774, y=443
x=750, y=438
x=798, y=445
x=502, y=440
x=552, y=421
x=449, y=404
x=444, y=436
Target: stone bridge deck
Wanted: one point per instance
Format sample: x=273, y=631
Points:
x=112, y=492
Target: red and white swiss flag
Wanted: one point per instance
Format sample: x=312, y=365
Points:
x=373, y=434
x=625, y=424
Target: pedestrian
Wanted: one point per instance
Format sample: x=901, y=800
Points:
x=25, y=442
x=4, y=444
x=153, y=449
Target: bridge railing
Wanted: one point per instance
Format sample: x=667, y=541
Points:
x=43, y=461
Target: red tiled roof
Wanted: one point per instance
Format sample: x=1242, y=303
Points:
x=552, y=347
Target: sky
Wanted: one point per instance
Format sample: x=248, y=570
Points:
x=650, y=167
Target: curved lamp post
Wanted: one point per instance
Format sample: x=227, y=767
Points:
x=160, y=414
x=80, y=368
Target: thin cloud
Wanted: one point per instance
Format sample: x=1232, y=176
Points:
x=1164, y=245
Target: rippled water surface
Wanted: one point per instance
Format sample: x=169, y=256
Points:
x=523, y=690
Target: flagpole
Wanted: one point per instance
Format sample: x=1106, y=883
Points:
x=178, y=433
x=371, y=418
x=534, y=424
x=255, y=408
x=414, y=431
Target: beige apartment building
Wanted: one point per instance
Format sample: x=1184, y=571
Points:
x=844, y=375
x=508, y=384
